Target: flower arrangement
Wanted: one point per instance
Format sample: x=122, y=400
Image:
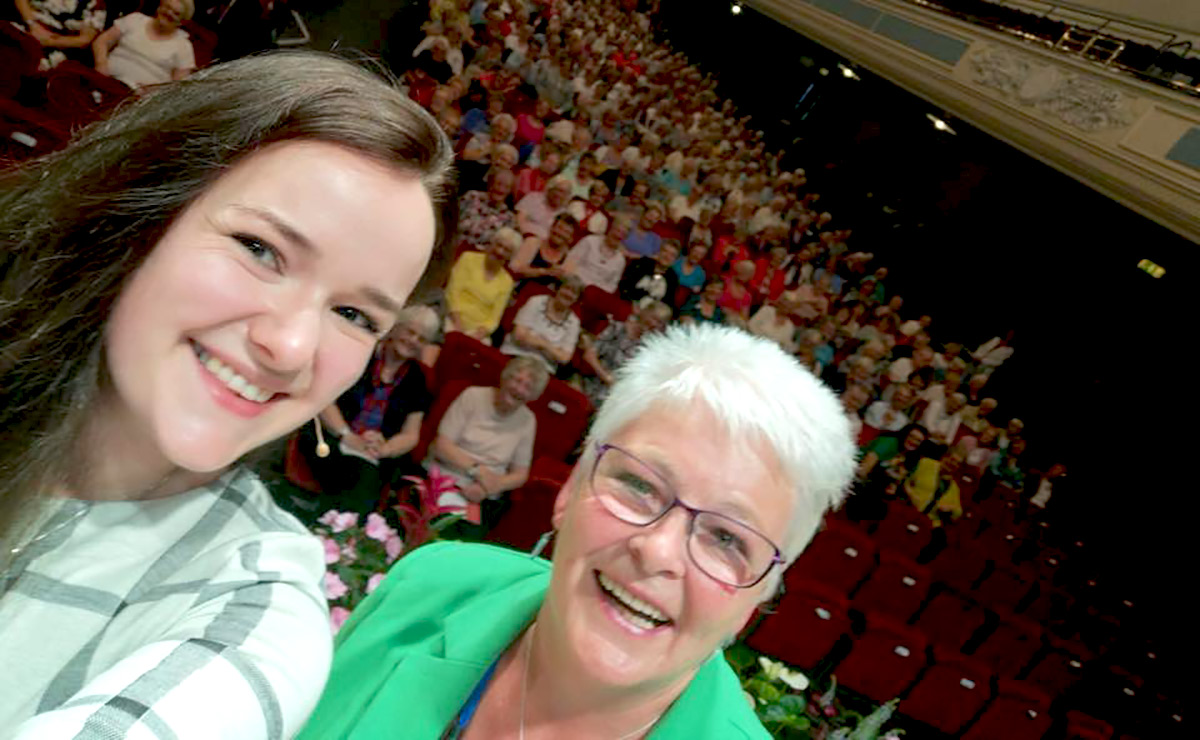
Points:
x=358, y=555
x=791, y=707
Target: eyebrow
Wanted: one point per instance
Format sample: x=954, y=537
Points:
x=377, y=297
x=732, y=509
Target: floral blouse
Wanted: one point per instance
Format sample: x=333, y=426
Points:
x=69, y=16
x=479, y=218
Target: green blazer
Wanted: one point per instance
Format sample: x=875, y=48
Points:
x=413, y=651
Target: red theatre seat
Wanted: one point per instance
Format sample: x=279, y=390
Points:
x=885, y=659
x=897, y=587
x=466, y=359
x=950, y=693
x=840, y=556
x=78, y=95
x=950, y=620
x=1012, y=646
x=528, y=518
x=1019, y=712
x=1006, y=586
x=809, y=620
x=959, y=566
x=597, y=307
x=1083, y=727
x=1060, y=668
x=904, y=530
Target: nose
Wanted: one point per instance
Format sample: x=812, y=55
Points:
x=661, y=548
x=284, y=339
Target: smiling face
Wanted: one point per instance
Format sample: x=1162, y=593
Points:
x=592, y=631
x=263, y=301
x=169, y=15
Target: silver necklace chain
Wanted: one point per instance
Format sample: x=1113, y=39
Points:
x=525, y=685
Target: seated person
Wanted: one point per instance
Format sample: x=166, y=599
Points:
x=64, y=28
x=546, y=327
x=616, y=344
x=485, y=440
x=541, y=259
x=377, y=422
x=975, y=417
x=536, y=211
x=738, y=296
x=705, y=307
x=891, y=416
x=139, y=50
x=888, y=459
x=689, y=270
x=642, y=241
x=589, y=212
x=599, y=260
x=484, y=211
x=942, y=418
x=1007, y=468
x=651, y=278
x=480, y=287
x=933, y=486
x=531, y=179
x=773, y=321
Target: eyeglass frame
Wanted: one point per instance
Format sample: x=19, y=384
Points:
x=778, y=559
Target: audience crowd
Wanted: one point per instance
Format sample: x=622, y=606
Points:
x=599, y=166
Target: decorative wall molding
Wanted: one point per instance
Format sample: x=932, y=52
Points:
x=1110, y=131
x=1087, y=103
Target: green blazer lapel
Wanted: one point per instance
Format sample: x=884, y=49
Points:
x=485, y=627
x=426, y=690
x=712, y=707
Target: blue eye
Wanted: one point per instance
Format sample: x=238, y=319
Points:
x=262, y=252
x=358, y=318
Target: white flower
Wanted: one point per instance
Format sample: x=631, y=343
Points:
x=779, y=672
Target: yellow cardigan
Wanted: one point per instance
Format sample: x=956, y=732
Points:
x=921, y=487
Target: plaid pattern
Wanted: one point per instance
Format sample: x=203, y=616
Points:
x=375, y=402
x=194, y=616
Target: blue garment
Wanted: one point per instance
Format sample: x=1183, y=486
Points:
x=476, y=121
x=694, y=279
x=824, y=355
x=643, y=243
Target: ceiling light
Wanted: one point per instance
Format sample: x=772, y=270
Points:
x=1151, y=269
x=847, y=72
x=823, y=71
x=939, y=124
x=736, y=9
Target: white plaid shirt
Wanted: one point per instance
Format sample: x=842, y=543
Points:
x=195, y=616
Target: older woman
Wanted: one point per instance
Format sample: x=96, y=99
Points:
x=139, y=50
x=546, y=327
x=377, y=422
x=616, y=344
x=482, y=212
x=485, y=440
x=192, y=280
x=480, y=287
x=699, y=484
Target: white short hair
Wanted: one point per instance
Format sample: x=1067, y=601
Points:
x=757, y=392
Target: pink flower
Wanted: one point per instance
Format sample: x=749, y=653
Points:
x=332, y=551
x=831, y=711
x=394, y=546
x=377, y=528
x=337, y=617
x=345, y=520
x=374, y=581
x=334, y=588
x=329, y=517
x=349, y=552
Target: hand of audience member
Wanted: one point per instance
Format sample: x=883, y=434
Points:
x=489, y=480
x=355, y=442
x=474, y=492
x=41, y=33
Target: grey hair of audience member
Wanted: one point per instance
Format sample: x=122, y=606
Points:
x=738, y=377
x=522, y=363
x=421, y=319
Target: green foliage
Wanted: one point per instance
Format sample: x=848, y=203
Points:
x=793, y=708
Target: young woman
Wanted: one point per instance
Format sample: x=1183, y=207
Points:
x=191, y=279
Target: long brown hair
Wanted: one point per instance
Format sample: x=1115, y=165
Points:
x=76, y=224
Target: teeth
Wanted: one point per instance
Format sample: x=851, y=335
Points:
x=231, y=379
x=647, y=617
